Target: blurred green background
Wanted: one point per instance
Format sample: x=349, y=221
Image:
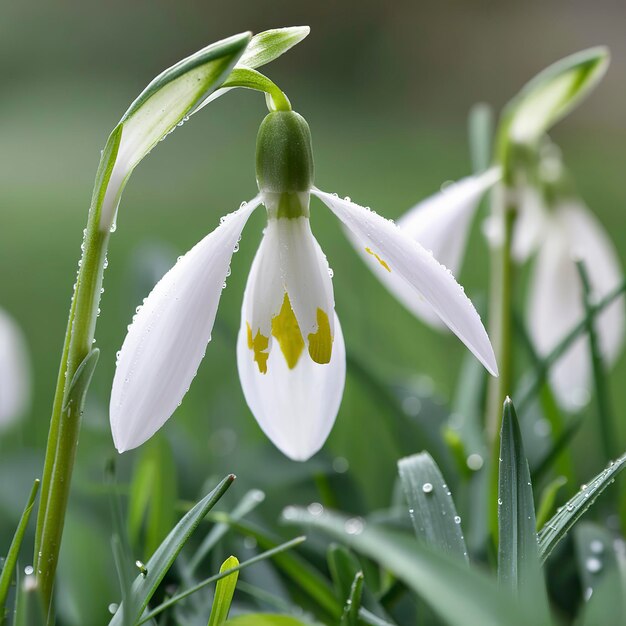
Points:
x=386, y=88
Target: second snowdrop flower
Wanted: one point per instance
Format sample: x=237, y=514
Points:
x=290, y=349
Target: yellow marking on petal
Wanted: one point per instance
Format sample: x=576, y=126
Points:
x=258, y=344
x=321, y=342
x=381, y=261
x=287, y=332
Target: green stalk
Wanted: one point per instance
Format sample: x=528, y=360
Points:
x=501, y=327
x=71, y=385
x=501, y=321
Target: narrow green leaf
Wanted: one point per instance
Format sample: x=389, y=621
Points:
x=77, y=389
x=548, y=497
x=431, y=507
x=248, y=503
x=201, y=585
x=480, y=130
x=350, y=616
x=224, y=592
x=605, y=419
x=559, y=350
x=553, y=93
x=152, y=495
x=299, y=570
x=270, y=44
x=602, y=570
x=343, y=567
x=367, y=617
x=145, y=585
x=8, y=568
x=458, y=594
x=568, y=515
x=125, y=580
x=518, y=558
x=28, y=605
x=264, y=619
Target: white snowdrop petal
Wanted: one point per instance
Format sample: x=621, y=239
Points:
x=14, y=371
x=591, y=242
x=395, y=252
x=441, y=224
x=555, y=303
x=168, y=336
x=296, y=408
x=265, y=289
x=305, y=273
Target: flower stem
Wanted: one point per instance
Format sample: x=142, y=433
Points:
x=67, y=411
x=501, y=327
x=501, y=321
x=78, y=360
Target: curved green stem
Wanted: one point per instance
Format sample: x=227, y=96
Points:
x=251, y=79
x=71, y=384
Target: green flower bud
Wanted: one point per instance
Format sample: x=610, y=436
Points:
x=284, y=164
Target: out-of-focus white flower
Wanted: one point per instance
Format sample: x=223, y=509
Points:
x=290, y=349
x=555, y=306
x=14, y=371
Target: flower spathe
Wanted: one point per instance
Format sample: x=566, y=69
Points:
x=290, y=349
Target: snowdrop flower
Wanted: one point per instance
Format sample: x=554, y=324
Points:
x=441, y=224
x=570, y=232
x=290, y=348
x=14, y=371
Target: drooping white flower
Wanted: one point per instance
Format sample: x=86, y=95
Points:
x=14, y=371
x=290, y=350
x=441, y=224
x=555, y=306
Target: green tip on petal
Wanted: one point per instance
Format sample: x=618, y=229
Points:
x=270, y=44
x=552, y=94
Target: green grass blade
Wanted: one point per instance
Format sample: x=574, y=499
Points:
x=248, y=503
x=10, y=561
x=145, y=585
x=28, y=605
x=297, y=569
x=458, y=594
x=547, y=500
x=224, y=592
x=343, y=567
x=201, y=585
x=600, y=380
x=431, y=507
x=602, y=572
x=367, y=617
x=152, y=495
x=559, y=350
x=518, y=558
x=264, y=619
x=125, y=580
x=567, y=516
x=351, y=609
